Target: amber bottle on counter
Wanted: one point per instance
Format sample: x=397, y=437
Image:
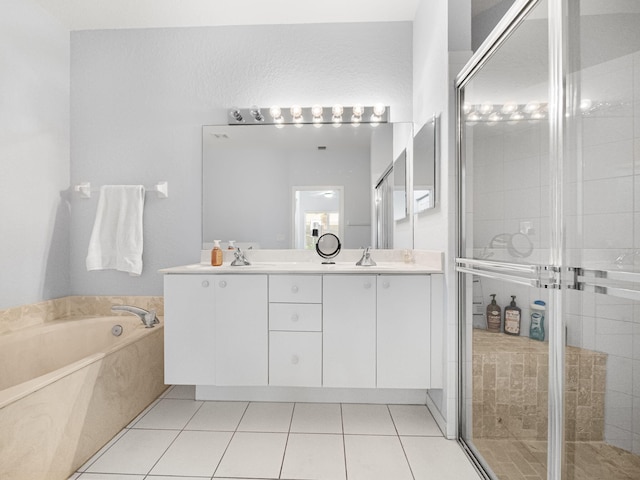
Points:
x=216, y=254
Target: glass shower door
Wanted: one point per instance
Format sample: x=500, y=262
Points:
x=550, y=211
x=505, y=249
x=601, y=208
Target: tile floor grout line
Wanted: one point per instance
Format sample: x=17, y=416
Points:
x=401, y=444
x=286, y=443
x=120, y=434
x=344, y=445
x=179, y=433
x=233, y=434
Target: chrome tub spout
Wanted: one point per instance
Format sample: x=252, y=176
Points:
x=147, y=317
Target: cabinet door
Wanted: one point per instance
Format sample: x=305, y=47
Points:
x=241, y=347
x=295, y=359
x=189, y=329
x=404, y=331
x=349, y=331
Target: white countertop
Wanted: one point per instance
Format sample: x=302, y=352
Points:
x=275, y=262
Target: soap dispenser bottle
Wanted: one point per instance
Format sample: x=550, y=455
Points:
x=216, y=254
x=232, y=245
x=494, y=315
x=536, y=329
x=512, y=316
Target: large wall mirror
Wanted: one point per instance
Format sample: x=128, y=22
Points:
x=269, y=187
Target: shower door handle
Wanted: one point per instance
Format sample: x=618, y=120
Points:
x=537, y=276
x=607, y=282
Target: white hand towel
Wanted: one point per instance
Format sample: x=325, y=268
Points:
x=116, y=239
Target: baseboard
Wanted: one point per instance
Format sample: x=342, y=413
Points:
x=437, y=416
x=311, y=394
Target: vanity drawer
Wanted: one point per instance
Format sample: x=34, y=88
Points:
x=295, y=359
x=295, y=317
x=295, y=288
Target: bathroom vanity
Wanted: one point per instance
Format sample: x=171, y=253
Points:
x=265, y=330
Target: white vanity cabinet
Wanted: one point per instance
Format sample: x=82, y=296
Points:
x=274, y=331
x=241, y=343
x=295, y=330
x=349, y=331
x=189, y=330
x=403, y=331
x=216, y=329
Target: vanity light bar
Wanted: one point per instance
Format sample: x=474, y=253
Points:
x=315, y=115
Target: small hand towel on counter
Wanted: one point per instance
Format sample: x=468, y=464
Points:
x=116, y=239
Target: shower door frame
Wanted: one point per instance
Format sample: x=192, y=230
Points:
x=557, y=57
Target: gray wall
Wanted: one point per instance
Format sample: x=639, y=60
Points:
x=34, y=155
x=139, y=99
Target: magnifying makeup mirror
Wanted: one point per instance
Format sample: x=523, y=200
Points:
x=328, y=247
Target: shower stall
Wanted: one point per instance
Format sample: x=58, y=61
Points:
x=548, y=126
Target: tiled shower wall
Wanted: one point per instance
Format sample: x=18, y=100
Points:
x=602, y=201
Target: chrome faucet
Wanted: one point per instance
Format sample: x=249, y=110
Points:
x=147, y=317
x=240, y=259
x=366, y=260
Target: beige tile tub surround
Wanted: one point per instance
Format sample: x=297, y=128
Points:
x=510, y=389
x=23, y=316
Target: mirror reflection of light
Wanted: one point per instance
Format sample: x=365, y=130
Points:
x=509, y=107
x=531, y=107
x=585, y=104
x=486, y=108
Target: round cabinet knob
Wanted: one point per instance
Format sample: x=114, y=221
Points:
x=295, y=317
x=386, y=284
x=367, y=285
x=222, y=284
x=294, y=289
x=295, y=359
x=205, y=283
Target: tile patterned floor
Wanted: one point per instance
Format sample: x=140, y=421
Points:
x=178, y=438
x=513, y=459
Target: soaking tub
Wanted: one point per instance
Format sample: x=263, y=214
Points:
x=68, y=386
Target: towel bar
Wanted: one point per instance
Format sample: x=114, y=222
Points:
x=84, y=189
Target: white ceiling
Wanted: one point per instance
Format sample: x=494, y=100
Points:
x=112, y=14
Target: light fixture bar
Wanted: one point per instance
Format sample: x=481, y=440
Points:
x=316, y=115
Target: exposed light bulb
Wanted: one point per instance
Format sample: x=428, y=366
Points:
x=358, y=111
x=379, y=109
x=275, y=112
x=537, y=115
x=296, y=112
x=316, y=112
x=337, y=111
x=495, y=117
x=257, y=114
x=515, y=116
x=466, y=107
x=236, y=115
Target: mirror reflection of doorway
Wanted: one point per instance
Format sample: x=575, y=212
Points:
x=316, y=208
